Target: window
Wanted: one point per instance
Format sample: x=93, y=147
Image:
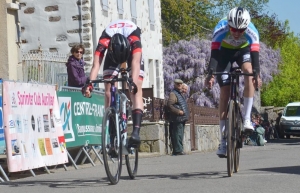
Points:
x=292, y=111
x=120, y=7
x=151, y=14
x=105, y=5
x=157, y=78
x=133, y=11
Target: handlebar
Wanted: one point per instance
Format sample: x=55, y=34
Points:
x=131, y=85
x=236, y=72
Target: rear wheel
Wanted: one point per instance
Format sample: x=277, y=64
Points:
x=132, y=160
x=230, y=141
x=111, y=146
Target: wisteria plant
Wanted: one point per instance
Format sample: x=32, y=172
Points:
x=188, y=61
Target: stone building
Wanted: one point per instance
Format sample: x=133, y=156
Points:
x=10, y=40
x=55, y=26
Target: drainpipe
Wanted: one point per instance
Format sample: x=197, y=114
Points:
x=81, y=25
x=94, y=34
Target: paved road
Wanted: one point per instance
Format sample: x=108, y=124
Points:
x=272, y=168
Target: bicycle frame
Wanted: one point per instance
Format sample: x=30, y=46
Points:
x=234, y=90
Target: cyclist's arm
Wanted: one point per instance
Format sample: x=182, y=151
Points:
x=98, y=56
x=96, y=67
x=255, y=61
x=253, y=38
x=136, y=46
x=135, y=66
x=219, y=34
x=214, y=59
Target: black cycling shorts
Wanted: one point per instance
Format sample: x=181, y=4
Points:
x=226, y=59
x=110, y=69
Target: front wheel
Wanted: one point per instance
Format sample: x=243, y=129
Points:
x=230, y=138
x=238, y=139
x=132, y=160
x=111, y=146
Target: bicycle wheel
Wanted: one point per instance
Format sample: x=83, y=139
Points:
x=230, y=142
x=238, y=140
x=132, y=160
x=111, y=146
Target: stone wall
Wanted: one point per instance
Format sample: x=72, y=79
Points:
x=3, y=40
x=56, y=27
x=155, y=138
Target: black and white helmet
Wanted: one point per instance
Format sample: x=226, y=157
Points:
x=119, y=48
x=238, y=18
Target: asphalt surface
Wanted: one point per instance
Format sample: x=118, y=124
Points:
x=271, y=168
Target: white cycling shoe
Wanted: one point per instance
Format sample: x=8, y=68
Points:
x=221, y=152
x=248, y=127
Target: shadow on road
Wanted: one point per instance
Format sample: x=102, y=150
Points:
x=104, y=182
x=285, y=170
x=59, y=184
x=182, y=176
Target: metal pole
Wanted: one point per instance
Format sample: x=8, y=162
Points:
x=74, y=164
x=3, y=173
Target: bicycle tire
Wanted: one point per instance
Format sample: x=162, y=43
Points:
x=132, y=160
x=230, y=142
x=112, y=152
x=238, y=140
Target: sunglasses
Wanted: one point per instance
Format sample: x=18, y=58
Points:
x=237, y=30
x=81, y=52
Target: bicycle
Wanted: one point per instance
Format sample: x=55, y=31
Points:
x=234, y=122
x=114, y=129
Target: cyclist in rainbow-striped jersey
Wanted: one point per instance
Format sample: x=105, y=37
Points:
x=235, y=39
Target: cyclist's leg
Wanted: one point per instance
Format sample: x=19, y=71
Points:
x=224, y=65
x=109, y=71
x=137, y=72
x=224, y=97
x=244, y=61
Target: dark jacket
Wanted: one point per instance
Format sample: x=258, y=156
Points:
x=177, y=103
x=75, y=69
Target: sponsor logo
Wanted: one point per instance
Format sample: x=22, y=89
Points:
x=246, y=58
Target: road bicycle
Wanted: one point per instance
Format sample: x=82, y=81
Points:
x=234, y=123
x=114, y=129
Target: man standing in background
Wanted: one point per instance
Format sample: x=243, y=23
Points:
x=179, y=114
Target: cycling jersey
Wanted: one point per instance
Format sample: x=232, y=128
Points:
x=125, y=27
x=223, y=38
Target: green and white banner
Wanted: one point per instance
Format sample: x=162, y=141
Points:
x=81, y=118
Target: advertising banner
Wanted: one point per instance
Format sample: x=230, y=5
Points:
x=81, y=118
x=32, y=125
x=2, y=139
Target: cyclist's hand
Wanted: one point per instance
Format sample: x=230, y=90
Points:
x=257, y=84
x=86, y=92
x=210, y=81
x=87, y=89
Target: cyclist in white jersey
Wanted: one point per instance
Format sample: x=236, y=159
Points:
x=122, y=38
x=235, y=39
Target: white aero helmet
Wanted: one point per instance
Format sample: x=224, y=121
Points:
x=238, y=18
